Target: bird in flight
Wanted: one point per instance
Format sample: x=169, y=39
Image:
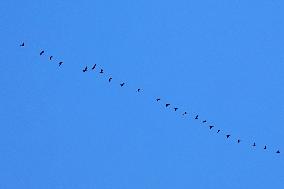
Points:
x=94, y=66
x=239, y=140
x=254, y=144
x=184, y=113
x=23, y=44
x=109, y=80
x=228, y=136
x=211, y=126
x=175, y=109
x=102, y=71
x=265, y=147
x=50, y=57
x=138, y=90
x=85, y=69
x=41, y=53
x=60, y=63
x=277, y=152
x=158, y=99
x=218, y=130
x=167, y=105
x=196, y=117
x=204, y=121
x=121, y=84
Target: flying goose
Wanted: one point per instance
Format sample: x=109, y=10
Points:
x=85, y=69
x=94, y=66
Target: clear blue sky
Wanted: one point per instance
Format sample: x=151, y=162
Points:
x=60, y=128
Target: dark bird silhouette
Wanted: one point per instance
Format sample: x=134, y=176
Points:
x=138, y=90
x=85, y=69
x=196, y=117
x=184, y=113
x=102, y=71
x=167, y=105
x=41, y=53
x=50, y=57
x=22, y=45
x=265, y=148
x=204, y=121
x=175, y=109
x=60, y=63
x=239, y=140
x=211, y=126
x=218, y=131
x=228, y=136
x=94, y=66
x=277, y=152
x=254, y=144
x=109, y=80
x=122, y=84
x=158, y=99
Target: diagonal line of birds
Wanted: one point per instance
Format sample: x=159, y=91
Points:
x=94, y=68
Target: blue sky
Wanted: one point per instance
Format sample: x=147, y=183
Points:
x=62, y=128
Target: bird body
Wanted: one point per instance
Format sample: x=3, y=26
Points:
x=167, y=105
x=228, y=136
x=50, y=57
x=60, y=63
x=184, y=113
x=158, y=99
x=196, y=117
x=41, y=53
x=278, y=152
x=109, y=80
x=218, y=130
x=265, y=148
x=175, y=109
x=211, y=126
x=204, y=121
x=254, y=144
x=239, y=140
x=102, y=71
x=22, y=45
x=122, y=84
x=138, y=90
